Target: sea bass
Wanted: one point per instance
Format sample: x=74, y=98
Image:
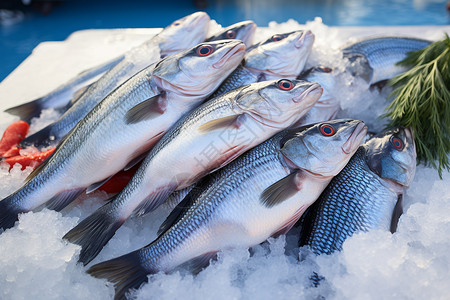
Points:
x=207, y=139
x=375, y=59
x=180, y=35
x=243, y=31
x=280, y=56
x=261, y=194
x=367, y=193
x=124, y=125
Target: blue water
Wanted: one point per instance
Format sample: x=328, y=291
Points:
x=18, y=40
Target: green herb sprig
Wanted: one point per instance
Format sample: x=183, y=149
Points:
x=422, y=101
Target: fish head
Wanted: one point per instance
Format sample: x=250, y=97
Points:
x=200, y=70
x=183, y=33
x=391, y=155
x=243, y=31
x=327, y=106
x=282, y=55
x=278, y=103
x=323, y=149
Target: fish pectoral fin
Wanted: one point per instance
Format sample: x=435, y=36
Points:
x=195, y=265
x=96, y=185
x=398, y=211
x=63, y=199
x=281, y=190
x=234, y=121
x=148, y=109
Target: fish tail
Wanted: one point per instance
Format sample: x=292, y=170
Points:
x=8, y=213
x=41, y=139
x=27, y=111
x=94, y=232
x=126, y=272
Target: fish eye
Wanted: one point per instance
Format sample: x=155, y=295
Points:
x=277, y=38
x=205, y=50
x=285, y=85
x=397, y=143
x=327, y=130
x=230, y=34
x=176, y=23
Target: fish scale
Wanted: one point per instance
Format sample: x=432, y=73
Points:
x=354, y=200
x=240, y=77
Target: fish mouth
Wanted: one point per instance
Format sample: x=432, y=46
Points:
x=358, y=133
x=306, y=35
x=315, y=87
x=240, y=47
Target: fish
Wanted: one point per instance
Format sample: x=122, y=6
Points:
x=259, y=195
x=180, y=35
x=375, y=59
x=125, y=125
x=243, y=31
x=366, y=195
x=208, y=138
x=63, y=97
x=280, y=56
x=327, y=106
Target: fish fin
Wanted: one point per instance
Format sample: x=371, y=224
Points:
x=147, y=109
x=197, y=264
x=8, y=215
x=135, y=161
x=126, y=272
x=27, y=111
x=398, y=211
x=40, y=139
x=143, y=150
x=96, y=185
x=280, y=190
x=63, y=199
x=79, y=93
x=290, y=223
x=178, y=212
x=234, y=121
x=94, y=232
x=227, y=157
x=153, y=201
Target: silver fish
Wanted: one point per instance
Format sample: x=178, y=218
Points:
x=180, y=35
x=375, y=59
x=124, y=125
x=261, y=194
x=280, y=56
x=208, y=138
x=367, y=193
x=243, y=31
x=60, y=98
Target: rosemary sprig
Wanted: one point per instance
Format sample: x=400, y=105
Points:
x=422, y=101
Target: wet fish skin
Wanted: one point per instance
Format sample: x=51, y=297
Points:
x=229, y=211
x=180, y=35
x=366, y=194
x=235, y=122
x=171, y=90
x=243, y=31
x=375, y=59
x=280, y=56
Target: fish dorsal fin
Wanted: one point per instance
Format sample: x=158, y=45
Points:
x=233, y=121
x=281, y=190
x=398, y=211
x=154, y=200
x=147, y=109
x=96, y=185
x=178, y=212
